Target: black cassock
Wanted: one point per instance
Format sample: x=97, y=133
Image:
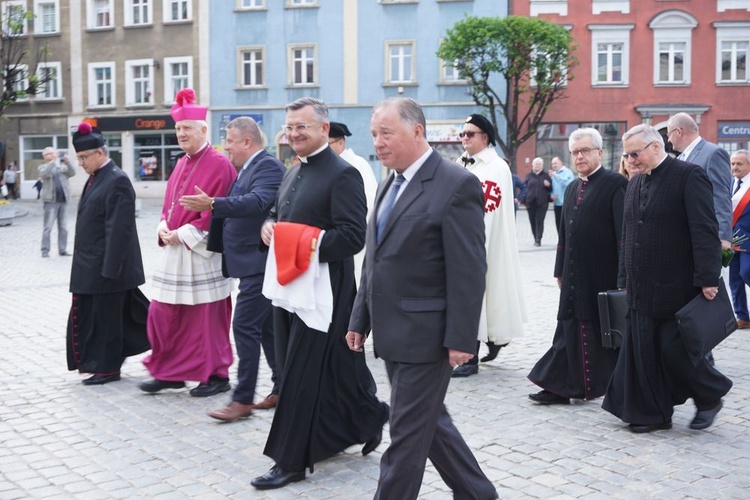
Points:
x=327, y=398
x=577, y=366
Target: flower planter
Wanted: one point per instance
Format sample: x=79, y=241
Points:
x=7, y=213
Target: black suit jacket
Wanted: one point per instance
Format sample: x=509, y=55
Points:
x=422, y=286
x=670, y=244
x=107, y=256
x=241, y=214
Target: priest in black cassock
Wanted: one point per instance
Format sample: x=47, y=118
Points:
x=577, y=365
x=107, y=320
x=671, y=253
x=327, y=396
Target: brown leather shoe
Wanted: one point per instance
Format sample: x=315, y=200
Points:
x=234, y=411
x=268, y=403
x=742, y=324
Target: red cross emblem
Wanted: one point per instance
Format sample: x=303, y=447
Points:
x=492, y=196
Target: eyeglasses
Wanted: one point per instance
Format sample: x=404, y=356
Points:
x=83, y=158
x=469, y=134
x=583, y=151
x=300, y=127
x=670, y=132
x=635, y=154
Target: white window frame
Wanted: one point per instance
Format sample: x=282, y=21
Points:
x=671, y=27
x=142, y=6
x=169, y=76
x=672, y=49
x=559, y=7
x=301, y=4
x=292, y=62
x=58, y=82
x=449, y=74
x=402, y=63
x=727, y=32
x=723, y=5
x=93, y=15
x=39, y=19
x=7, y=6
x=610, y=34
x=599, y=6
x=94, y=83
x=241, y=51
x=251, y=4
x=167, y=10
x=22, y=84
x=131, y=82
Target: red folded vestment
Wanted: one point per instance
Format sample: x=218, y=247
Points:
x=294, y=247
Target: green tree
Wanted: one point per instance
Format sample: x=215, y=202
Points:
x=20, y=74
x=532, y=55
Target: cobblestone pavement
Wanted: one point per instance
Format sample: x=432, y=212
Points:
x=60, y=439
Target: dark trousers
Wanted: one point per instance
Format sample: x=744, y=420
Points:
x=420, y=429
x=536, y=219
x=252, y=327
x=558, y=216
x=739, y=276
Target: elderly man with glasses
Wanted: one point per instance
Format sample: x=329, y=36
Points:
x=670, y=254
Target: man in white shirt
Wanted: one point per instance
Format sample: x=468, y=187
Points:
x=739, y=266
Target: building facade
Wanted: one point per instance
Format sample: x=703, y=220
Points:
x=643, y=61
x=349, y=53
x=120, y=64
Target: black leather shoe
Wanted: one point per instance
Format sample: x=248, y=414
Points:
x=494, y=350
x=373, y=443
x=214, y=386
x=65, y=254
x=644, y=428
x=704, y=418
x=153, y=386
x=277, y=478
x=545, y=397
x=101, y=379
x=466, y=370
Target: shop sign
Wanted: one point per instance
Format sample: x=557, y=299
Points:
x=734, y=131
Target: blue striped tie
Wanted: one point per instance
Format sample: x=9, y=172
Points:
x=389, y=205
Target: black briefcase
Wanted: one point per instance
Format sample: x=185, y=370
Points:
x=613, y=308
x=705, y=323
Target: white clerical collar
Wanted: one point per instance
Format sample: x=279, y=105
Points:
x=303, y=159
x=658, y=164
x=586, y=178
x=190, y=156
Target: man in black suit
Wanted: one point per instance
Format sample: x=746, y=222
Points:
x=239, y=217
x=670, y=253
x=107, y=320
x=421, y=295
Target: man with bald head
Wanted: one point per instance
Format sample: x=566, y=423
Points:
x=670, y=254
x=683, y=134
x=739, y=266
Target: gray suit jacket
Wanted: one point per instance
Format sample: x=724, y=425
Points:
x=422, y=285
x=46, y=174
x=715, y=161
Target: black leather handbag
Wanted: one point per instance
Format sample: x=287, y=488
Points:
x=613, y=309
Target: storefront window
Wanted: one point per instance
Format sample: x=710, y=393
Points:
x=155, y=156
x=734, y=136
x=31, y=152
x=552, y=140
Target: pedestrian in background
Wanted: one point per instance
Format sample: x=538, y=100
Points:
x=538, y=188
x=561, y=176
x=55, y=193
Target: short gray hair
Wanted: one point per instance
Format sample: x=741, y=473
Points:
x=591, y=133
x=409, y=111
x=319, y=107
x=684, y=121
x=650, y=134
x=743, y=152
x=246, y=126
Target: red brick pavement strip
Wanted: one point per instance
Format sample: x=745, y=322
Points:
x=60, y=439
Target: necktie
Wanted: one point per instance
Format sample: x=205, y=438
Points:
x=737, y=187
x=467, y=161
x=682, y=157
x=389, y=205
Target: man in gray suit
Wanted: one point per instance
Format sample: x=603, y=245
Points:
x=55, y=195
x=682, y=132
x=421, y=294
